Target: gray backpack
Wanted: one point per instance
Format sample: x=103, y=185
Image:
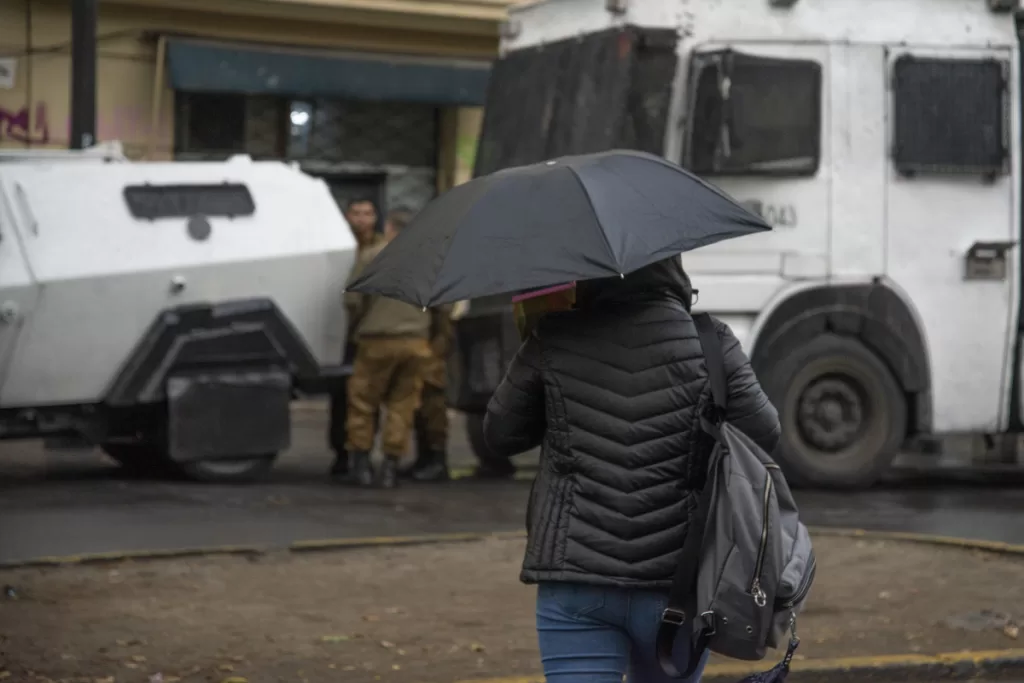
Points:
x=747, y=563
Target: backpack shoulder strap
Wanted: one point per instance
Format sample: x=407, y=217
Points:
x=682, y=594
x=714, y=358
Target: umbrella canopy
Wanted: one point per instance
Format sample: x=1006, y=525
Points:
x=573, y=218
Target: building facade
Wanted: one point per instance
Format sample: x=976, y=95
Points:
x=380, y=97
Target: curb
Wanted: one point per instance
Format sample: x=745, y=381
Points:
x=928, y=539
x=394, y=541
x=340, y=544
x=978, y=665
x=992, y=665
x=127, y=556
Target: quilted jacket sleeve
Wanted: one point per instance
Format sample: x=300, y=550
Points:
x=515, y=420
x=749, y=408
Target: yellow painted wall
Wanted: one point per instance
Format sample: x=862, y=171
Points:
x=468, y=123
x=126, y=65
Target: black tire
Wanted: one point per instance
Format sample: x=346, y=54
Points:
x=229, y=471
x=148, y=460
x=139, y=459
x=843, y=414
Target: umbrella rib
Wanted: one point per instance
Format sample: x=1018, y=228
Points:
x=597, y=219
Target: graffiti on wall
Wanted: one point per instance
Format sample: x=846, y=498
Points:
x=19, y=126
x=127, y=123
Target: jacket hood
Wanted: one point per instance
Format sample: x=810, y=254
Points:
x=662, y=280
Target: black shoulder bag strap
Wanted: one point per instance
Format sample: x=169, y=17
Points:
x=683, y=594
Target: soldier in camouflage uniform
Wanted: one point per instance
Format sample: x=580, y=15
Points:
x=392, y=348
x=361, y=215
x=431, y=423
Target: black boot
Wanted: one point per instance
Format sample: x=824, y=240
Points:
x=339, y=470
x=361, y=473
x=387, y=475
x=422, y=460
x=434, y=467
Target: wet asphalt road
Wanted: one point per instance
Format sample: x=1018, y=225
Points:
x=72, y=503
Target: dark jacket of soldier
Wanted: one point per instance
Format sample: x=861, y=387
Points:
x=611, y=393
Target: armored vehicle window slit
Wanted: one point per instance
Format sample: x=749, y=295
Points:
x=950, y=116
x=754, y=115
x=150, y=202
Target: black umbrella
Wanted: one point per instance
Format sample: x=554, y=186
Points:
x=574, y=218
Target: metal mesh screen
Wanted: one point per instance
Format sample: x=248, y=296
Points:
x=375, y=133
x=264, y=120
x=650, y=94
x=951, y=116
x=609, y=89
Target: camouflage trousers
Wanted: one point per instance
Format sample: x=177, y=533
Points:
x=388, y=373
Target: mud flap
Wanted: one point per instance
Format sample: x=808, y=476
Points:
x=228, y=415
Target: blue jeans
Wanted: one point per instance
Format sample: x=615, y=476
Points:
x=591, y=634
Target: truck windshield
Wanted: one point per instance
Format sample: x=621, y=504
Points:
x=754, y=115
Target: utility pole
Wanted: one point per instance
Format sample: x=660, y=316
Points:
x=83, y=74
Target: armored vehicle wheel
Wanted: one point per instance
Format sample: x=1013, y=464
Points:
x=843, y=413
x=137, y=459
x=229, y=470
x=147, y=460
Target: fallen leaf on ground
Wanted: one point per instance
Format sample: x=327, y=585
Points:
x=235, y=679
x=226, y=667
x=476, y=647
x=108, y=679
x=396, y=667
x=371, y=617
x=1011, y=631
x=333, y=639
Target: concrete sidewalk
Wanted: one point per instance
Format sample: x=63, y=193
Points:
x=881, y=610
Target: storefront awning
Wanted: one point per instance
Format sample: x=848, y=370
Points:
x=200, y=66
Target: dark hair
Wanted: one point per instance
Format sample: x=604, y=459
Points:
x=399, y=218
x=360, y=200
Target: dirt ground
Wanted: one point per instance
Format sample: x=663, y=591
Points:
x=436, y=614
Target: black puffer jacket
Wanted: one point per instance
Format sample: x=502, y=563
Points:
x=611, y=393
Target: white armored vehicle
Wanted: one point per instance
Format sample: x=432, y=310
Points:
x=881, y=138
x=166, y=312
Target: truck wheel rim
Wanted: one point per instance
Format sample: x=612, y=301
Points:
x=832, y=413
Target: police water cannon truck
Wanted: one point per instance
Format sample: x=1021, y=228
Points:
x=167, y=312
x=881, y=138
